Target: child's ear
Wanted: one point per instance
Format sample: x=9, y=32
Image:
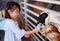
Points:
x=9, y=11
x=6, y=8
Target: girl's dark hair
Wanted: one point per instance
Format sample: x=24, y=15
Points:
x=42, y=18
x=9, y=6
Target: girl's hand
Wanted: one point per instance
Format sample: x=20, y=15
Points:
x=28, y=33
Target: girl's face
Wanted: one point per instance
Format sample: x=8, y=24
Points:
x=14, y=13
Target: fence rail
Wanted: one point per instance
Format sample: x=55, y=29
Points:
x=49, y=1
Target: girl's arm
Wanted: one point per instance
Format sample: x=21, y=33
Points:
x=28, y=33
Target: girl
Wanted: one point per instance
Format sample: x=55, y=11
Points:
x=12, y=31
